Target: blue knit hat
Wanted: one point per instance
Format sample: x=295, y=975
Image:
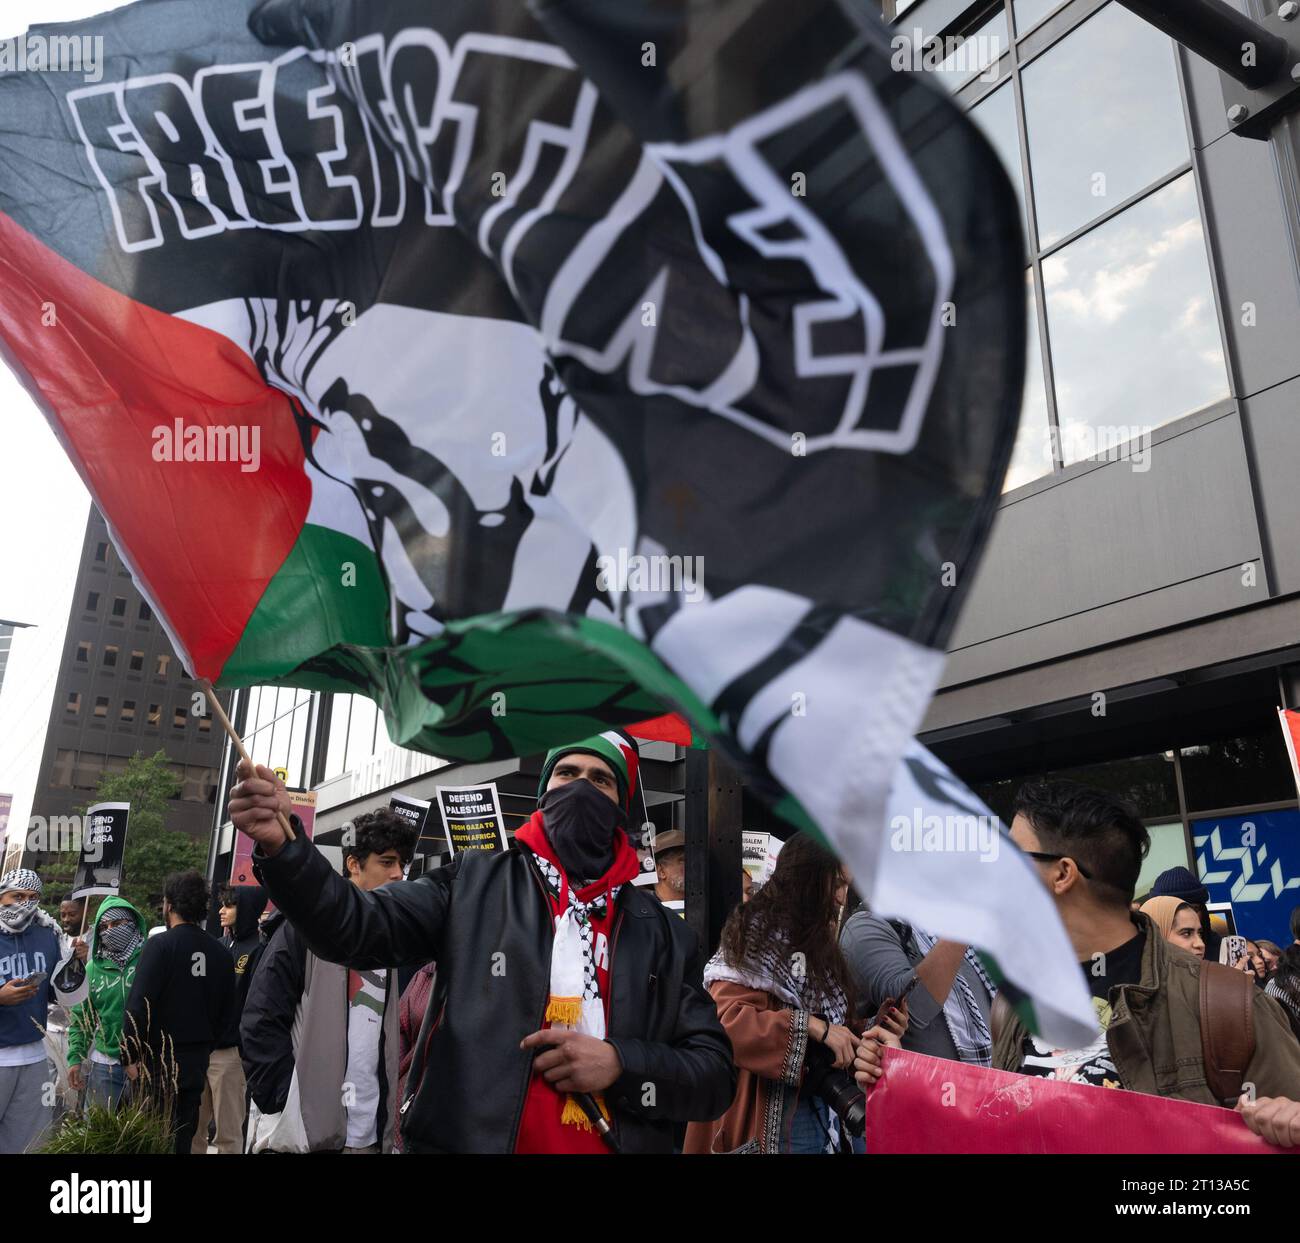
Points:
x=1180, y=883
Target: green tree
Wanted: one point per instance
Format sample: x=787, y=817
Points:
x=152, y=849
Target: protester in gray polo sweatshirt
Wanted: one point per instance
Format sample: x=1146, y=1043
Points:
x=881, y=956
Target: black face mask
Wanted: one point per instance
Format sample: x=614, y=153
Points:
x=580, y=823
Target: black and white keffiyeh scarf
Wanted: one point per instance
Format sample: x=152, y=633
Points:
x=965, y=1019
x=575, y=987
x=575, y=1002
x=782, y=972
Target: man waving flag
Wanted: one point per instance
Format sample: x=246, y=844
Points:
x=536, y=369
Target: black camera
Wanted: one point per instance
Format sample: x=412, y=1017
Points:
x=837, y=1088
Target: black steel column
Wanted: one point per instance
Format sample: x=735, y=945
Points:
x=1215, y=31
x=713, y=841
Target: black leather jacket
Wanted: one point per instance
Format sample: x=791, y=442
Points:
x=486, y=921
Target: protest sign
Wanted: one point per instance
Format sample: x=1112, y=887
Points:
x=471, y=817
x=103, y=848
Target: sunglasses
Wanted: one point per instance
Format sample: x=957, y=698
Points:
x=1045, y=858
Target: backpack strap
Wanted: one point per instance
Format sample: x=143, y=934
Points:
x=1000, y=1014
x=1227, y=1029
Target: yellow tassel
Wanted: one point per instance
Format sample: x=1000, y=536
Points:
x=574, y=1115
x=564, y=1010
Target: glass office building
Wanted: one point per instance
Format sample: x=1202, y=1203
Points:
x=1136, y=619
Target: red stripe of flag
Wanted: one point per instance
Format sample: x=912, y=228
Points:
x=670, y=728
x=203, y=538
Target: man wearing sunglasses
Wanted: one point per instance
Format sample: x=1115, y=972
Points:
x=1087, y=846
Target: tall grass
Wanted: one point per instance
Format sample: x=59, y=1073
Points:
x=143, y=1122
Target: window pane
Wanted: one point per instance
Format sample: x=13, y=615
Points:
x=974, y=53
x=155, y=715
x=1148, y=781
x=336, y=753
x=164, y=663
x=61, y=770
x=996, y=117
x=1134, y=330
x=92, y=601
x=1032, y=456
x=1030, y=12
x=1105, y=119
x=297, y=745
x=74, y=702
x=1238, y=772
x=137, y=662
x=1168, y=850
x=110, y=656
x=119, y=606
x=101, y=705
x=84, y=649
x=361, y=734
x=86, y=771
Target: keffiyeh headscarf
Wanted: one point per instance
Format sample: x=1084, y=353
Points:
x=121, y=940
x=16, y=917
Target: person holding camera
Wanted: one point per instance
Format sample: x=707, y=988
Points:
x=781, y=988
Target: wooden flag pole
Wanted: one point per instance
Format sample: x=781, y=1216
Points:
x=220, y=713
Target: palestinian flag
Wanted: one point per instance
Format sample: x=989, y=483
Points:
x=535, y=371
x=670, y=728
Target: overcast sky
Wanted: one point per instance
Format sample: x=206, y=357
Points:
x=43, y=509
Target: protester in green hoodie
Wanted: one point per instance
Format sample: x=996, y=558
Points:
x=95, y=1029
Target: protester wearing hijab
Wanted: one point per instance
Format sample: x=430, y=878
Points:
x=38, y=967
x=95, y=1033
x=1179, y=923
x=1181, y=884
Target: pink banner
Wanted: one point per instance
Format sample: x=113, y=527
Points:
x=927, y=1104
x=241, y=867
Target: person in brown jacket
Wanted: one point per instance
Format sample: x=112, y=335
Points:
x=781, y=985
x=1087, y=846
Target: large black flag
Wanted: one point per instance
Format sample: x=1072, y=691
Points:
x=554, y=366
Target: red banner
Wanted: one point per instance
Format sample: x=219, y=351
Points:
x=928, y=1104
x=241, y=867
x=1291, y=736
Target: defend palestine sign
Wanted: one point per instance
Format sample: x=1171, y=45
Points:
x=471, y=817
x=415, y=811
x=103, y=846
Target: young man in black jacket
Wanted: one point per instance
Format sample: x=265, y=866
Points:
x=340, y=1095
x=562, y=989
x=181, y=1003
